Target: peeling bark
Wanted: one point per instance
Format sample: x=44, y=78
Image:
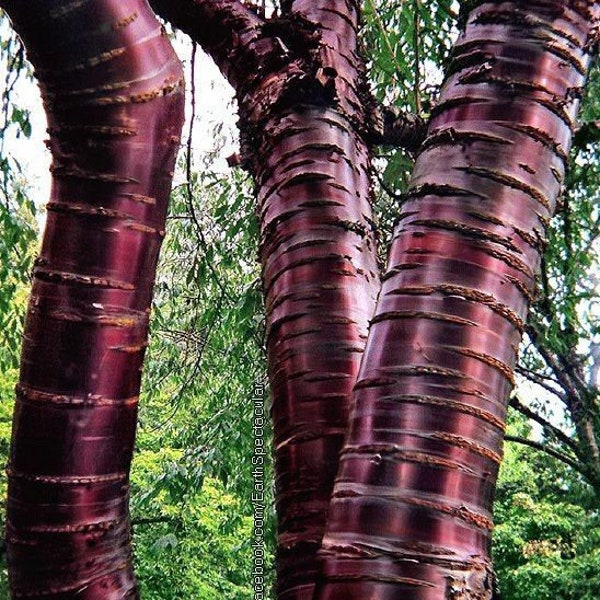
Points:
x=320, y=279
x=112, y=89
x=311, y=166
x=411, y=510
x=304, y=111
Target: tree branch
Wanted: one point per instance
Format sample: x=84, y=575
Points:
x=542, y=381
x=586, y=133
x=417, y=44
x=595, y=367
x=225, y=29
x=393, y=127
x=578, y=397
x=550, y=451
x=548, y=427
x=153, y=520
x=572, y=391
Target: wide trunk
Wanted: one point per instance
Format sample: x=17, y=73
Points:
x=112, y=89
x=411, y=512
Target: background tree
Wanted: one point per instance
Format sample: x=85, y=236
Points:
x=546, y=535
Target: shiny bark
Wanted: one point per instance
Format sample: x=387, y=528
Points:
x=320, y=278
x=411, y=511
x=299, y=84
x=112, y=89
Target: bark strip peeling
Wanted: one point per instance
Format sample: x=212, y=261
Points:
x=411, y=512
x=320, y=276
x=299, y=83
x=112, y=88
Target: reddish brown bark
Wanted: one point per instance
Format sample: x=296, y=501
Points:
x=112, y=89
x=298, y=80
x=411, y=511
x=320, y=277
x=320, y=284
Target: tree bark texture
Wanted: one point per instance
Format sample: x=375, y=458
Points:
x=320, y=277
x=112, y=89
x=299, y=84
x=411, y=511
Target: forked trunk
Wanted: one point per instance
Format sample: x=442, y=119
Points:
x=112, y=89
x=411, y=512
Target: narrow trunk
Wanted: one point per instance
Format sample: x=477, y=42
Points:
x=411, y=512
x=112, y=89
x=298, y=80
x=320, y=278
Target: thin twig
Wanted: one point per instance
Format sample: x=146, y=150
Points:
x=417, y=44
x=188, y=170
x=384, y=34
x=542, y=381
x=560, y=435
x=153, y=520
x=564, y=379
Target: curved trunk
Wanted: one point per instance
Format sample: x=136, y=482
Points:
x=112, y=88
x=411, y=512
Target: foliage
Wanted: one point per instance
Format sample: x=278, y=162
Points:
x=202, y=549
x=547, y=536
x=18, y=242
x=206, y=342
x=8, y=379
x=18, y=228
x=408, y=45
x=17, y=246
x=192, y=467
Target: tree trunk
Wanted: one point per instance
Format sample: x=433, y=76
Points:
x=320, y=283
x=112, y=88
x=320, y=277
x=298, y=80
x=411, y=511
